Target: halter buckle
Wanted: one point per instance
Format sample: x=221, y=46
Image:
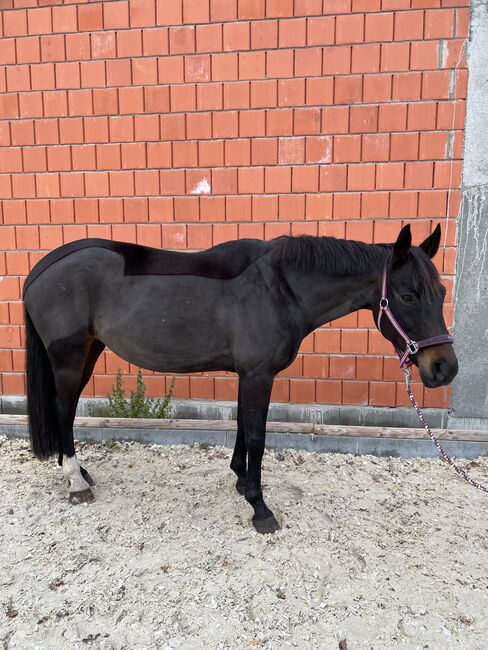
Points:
x=384, y=303
x=413, y=347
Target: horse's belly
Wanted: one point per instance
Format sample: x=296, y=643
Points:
x=182, y=332
x=175, y=354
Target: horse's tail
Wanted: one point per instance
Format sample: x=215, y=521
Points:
x=41, y=395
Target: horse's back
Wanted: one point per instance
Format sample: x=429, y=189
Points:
x=221, y=309
x=222, y=262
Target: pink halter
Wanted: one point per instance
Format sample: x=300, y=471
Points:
x=411, y=346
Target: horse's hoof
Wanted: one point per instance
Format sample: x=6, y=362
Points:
x=266, y=526
x=88, y=478
x=241, y=486
x=84, y=496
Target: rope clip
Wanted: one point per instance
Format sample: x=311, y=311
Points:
x=408, y=375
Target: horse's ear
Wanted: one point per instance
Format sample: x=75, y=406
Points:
x=402, y=245
x=431, y=245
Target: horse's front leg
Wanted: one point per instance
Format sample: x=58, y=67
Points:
x=255, y=393
x=238, y=463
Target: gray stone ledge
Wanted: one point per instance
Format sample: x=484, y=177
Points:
x=397, y=447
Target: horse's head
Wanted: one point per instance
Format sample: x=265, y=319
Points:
x=415, y=298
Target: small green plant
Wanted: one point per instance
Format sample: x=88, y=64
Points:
x=118, y=406
x=137, y=405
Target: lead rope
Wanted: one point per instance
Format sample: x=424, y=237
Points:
x=459, y=470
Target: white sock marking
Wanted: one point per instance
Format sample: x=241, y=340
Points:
x=71, y=469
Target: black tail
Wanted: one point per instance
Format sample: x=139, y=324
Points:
x=41, y=395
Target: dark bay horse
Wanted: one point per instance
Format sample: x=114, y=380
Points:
x=242, y=306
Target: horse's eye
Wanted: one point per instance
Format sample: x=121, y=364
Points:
x=407, y=297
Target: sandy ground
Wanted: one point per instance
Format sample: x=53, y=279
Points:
x=382, y=553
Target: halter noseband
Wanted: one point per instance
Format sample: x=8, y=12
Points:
x=411, y=346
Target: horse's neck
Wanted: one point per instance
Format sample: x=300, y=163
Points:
x=324, y=299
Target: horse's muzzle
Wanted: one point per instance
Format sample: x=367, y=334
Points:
x=437, y=366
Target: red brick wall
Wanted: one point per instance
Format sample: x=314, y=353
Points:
x=185, y=123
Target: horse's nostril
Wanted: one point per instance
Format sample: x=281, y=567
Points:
x=439, y=369
x=444, y=370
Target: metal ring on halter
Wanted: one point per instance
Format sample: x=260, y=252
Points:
x=384, y=303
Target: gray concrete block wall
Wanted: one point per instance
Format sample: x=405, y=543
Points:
x=346, y=415
x=469, y=401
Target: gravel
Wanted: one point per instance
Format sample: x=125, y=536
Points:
x=373, y=553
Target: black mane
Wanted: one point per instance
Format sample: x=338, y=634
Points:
x=342, y=258
x=335, y=257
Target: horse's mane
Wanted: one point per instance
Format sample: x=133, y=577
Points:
x=342, y=258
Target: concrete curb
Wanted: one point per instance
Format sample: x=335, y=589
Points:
x=278, y=440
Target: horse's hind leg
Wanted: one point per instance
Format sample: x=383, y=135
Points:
x=96, y=350
x=97, y=347
x=68, y=362
x=239, y=457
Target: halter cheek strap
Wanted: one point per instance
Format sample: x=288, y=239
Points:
x=411, y=346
